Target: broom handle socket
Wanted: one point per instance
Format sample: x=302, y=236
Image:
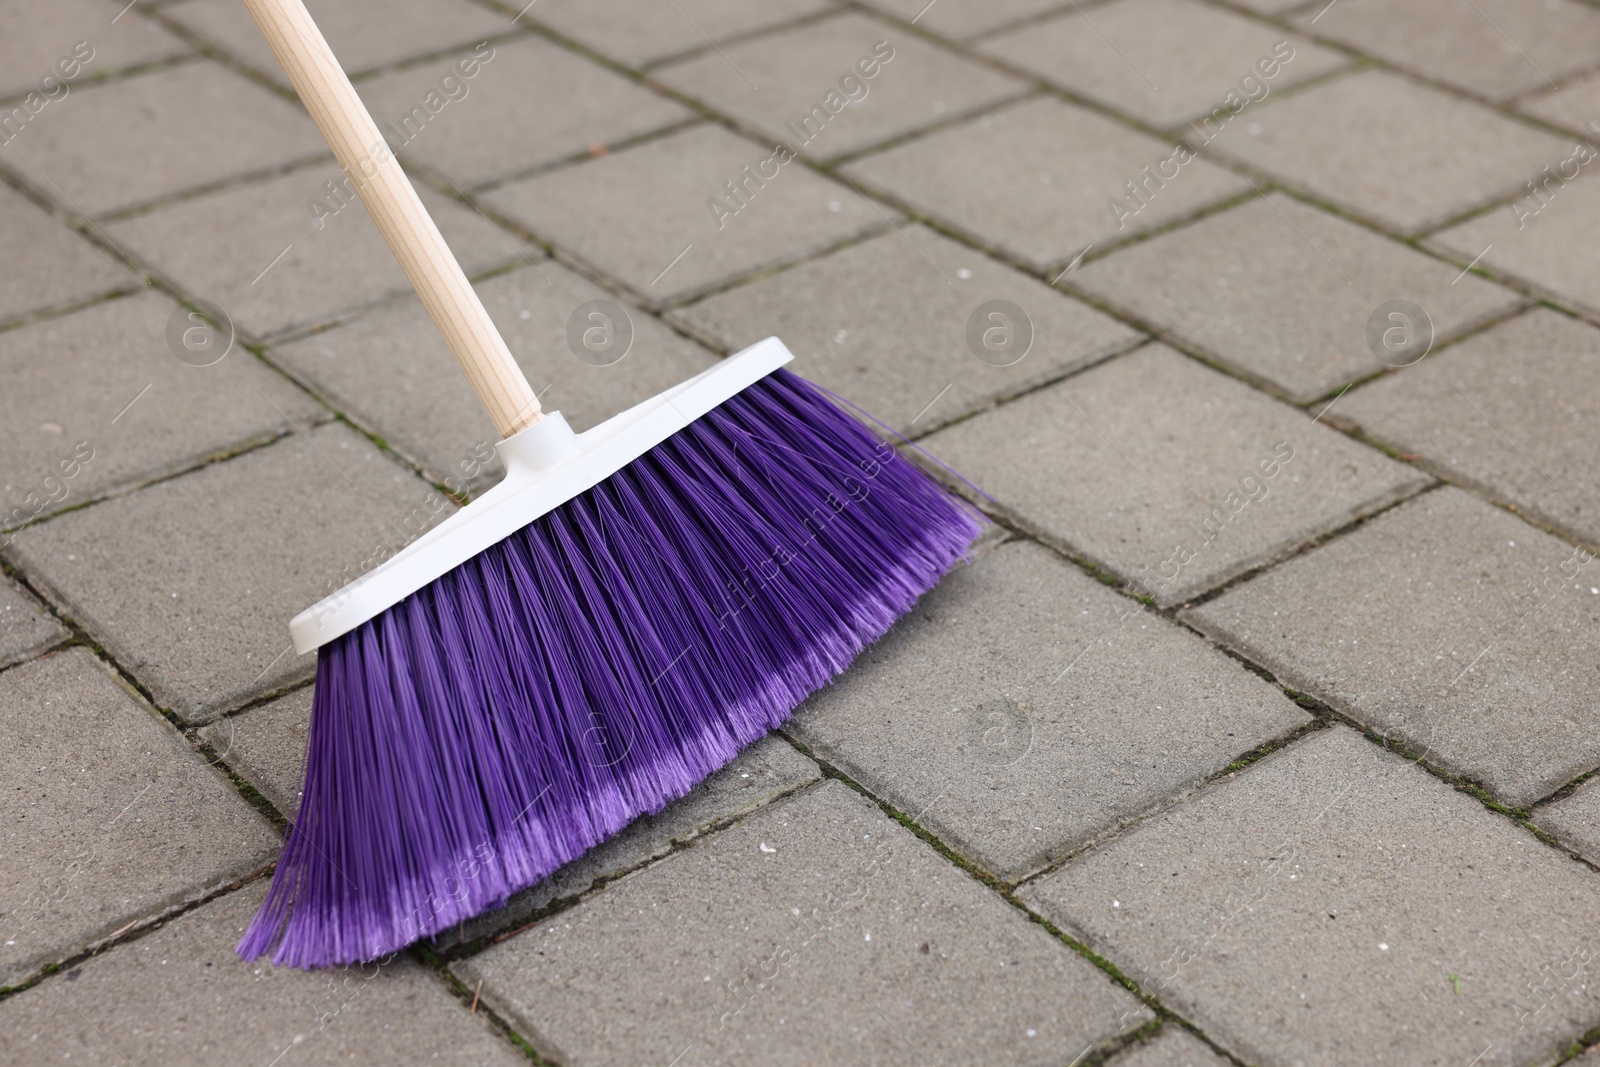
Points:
x=395, y=207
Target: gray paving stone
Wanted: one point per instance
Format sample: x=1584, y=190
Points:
x=119, y=820
x=643, y=215
x=1037, y=180
x=1163, y=61
x=810, y=93
x=1405, y=156
x=963, y=18
x=878, y=946
x=491, y=132
x=364, y=36
x=764, y=771
x=1169, y=474
x=191, y=583
x=36, y=38
x=1496, y=48
x=1546, y=245
x=877, y=324
x=97, y=400
x=1576, y=820
x=1575, y=106
x=1283, y=292
x=1446, y=623
x=636, y=32
x=1024, y=709
x=1333, y=904
x=1172, y=1047
x=267, y=747
x=62, y=268
x=431, y=414
x=26, y=629
x=225, y=247
x=1511, y=411
x=137, y=140
x=180, y=995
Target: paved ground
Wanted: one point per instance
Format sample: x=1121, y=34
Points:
x=1257, y=732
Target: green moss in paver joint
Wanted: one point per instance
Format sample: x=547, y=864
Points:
x=436, y=965
x=1591, y=1039
x=1567, y=790
x=1270, y=747
x=151, y=923
x=1093, y=957
x=830, y=771
x=251, y=794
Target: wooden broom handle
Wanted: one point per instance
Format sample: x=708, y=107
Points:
x=395, y=207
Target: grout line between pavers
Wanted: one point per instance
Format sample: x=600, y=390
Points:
x=109, y=77
x=1004, y=890
x=60, y=311
x=143, y=927
x=155, y=476
x=442, y=183
x=822, y=14
x=173, y=198
x=458, y=991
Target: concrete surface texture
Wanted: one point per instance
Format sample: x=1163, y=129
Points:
x=1260, y=730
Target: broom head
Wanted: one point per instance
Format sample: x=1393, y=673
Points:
x=613, y=622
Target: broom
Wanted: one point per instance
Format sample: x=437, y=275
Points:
x=600, y=631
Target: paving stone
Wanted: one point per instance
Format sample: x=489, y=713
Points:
x=636, y=32
x=643, y=215
x=364, y=36
x=1037, y=180
x=1162, y=61
x=136, y=140
x=1511, y=411
x=1575, y=106
x=1024, y=709
x=1172, y=1047
x=1168, y=474
x=1546, y=245
x=96, y=400
x=225, y=247
x=1283, y=292
x=431, y=414
x=1333, y=904
x=875, y=323
x=121, y=820
x=36, y=38
x=190, y=584
x=766, y=770
x=878, y=944
x=490, y=131
x=25, y=628
x=180, y=995
x=63, y=268
x=267, y=747
x=963, y=18
x=1496, y=48
x=1576, y=820
x=1446, y=623
x=1405, y=156
x=810, y=92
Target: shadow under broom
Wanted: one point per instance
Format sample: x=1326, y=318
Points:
x=609, y=625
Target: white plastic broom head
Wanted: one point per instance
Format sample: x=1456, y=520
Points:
x=546, y=466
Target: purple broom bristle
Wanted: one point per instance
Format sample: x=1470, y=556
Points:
x=594, y=667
